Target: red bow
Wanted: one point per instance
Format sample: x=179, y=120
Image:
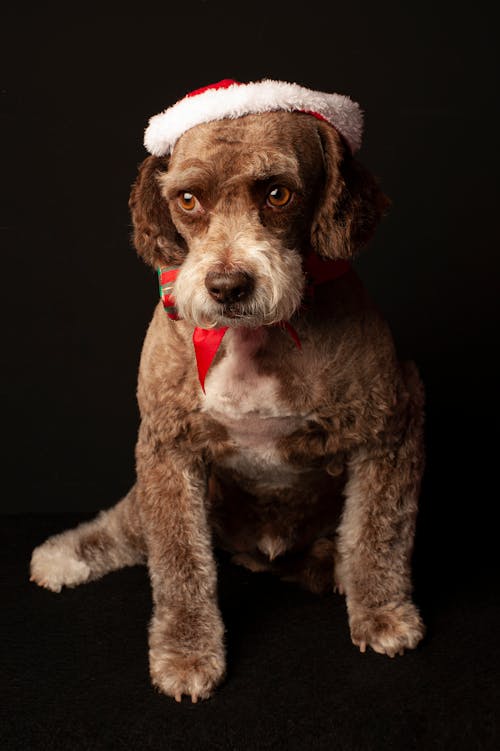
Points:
x=207, y=341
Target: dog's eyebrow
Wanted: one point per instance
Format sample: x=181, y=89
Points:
x=192, y=174
x=266, y=164
x=195, y=174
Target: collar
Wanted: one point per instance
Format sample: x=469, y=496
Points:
x=207, y=341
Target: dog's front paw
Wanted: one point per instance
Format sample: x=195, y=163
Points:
x=195, y=674
x=389, y=629
x=186, y=654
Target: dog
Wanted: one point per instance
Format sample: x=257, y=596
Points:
x=300, y=451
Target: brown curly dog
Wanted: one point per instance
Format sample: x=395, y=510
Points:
x=304, y=453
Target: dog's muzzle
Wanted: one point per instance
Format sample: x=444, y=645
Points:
x=231, y=288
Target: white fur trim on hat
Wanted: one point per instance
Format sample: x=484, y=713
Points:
x=230, y=99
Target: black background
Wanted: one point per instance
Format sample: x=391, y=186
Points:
x=82, y=83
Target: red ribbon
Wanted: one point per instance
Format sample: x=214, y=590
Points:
x=207, y=341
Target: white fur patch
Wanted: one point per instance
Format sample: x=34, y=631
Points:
x=272, y=546
x=248, y=404
x=234, y=388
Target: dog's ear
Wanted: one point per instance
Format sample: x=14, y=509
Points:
x=155, y=236
x=351, y=203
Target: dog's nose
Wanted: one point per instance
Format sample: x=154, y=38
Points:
x=228, y=287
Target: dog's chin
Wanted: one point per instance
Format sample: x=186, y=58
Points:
x=237, y=316
x=232, y=320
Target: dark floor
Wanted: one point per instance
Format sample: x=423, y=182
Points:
x=74, y=665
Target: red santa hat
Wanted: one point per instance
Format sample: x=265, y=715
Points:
x=231, y=99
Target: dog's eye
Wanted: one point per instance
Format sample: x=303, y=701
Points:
x=279, y=196
x=188, y=201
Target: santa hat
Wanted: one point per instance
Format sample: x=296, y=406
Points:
x=231, y=99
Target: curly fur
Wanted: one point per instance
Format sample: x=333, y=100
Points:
x=305, y=463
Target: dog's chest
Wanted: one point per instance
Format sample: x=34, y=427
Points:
x=249, y=404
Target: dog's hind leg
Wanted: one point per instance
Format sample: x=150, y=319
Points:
x=109, y=542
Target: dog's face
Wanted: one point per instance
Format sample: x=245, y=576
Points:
x=238, y=205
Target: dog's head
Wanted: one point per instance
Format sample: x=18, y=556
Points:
x=237, y=206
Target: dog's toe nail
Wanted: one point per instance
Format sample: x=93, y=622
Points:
x=194, y=698
x=362, y=646
x=178, y=698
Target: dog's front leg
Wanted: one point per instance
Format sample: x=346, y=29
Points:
x=375, y=542
x=186, y=630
